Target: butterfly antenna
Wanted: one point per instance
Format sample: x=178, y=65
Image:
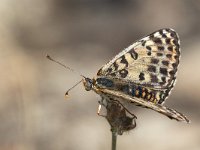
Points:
x=68, y=68
x=67, y=93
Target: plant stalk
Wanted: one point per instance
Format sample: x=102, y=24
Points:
x=114, y=139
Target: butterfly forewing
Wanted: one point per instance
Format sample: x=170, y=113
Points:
x=150, y=62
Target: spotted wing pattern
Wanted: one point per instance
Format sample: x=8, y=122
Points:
x=150, y=63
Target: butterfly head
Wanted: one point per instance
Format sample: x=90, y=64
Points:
x=88, y=83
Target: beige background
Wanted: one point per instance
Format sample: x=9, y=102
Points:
x=85, y=34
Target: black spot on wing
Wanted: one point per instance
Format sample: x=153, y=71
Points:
x=164, y=36
x=123, y=73
x=159, y=54
x=141, y=76
x=115, y=65
x=154, y=61
x=174, y=65
x=151, y=68
x=173, y=35
x=163, y=80
x=163, y=71
x=157, y=40
x=110, y=70
x=161, y=48
x=165, y=62
x=148, y=47
x=143, y=43
x=161, y=32
x=133, y=54
x=176, y=57
x=170, y=48
x=149, y=53
x=173, y=72
x=154, y=78
x=124, y=61
x=169, y=56
x=167, y=40
x=175, y=42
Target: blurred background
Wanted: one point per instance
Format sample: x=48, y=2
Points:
x=85, y=34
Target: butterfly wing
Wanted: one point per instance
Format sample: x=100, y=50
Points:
x=172, y=114
x=150, y=62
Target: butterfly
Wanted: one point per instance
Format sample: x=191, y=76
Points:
x=143, y=74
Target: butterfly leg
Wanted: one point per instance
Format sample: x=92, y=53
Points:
x=101, y=103
x=99, y=110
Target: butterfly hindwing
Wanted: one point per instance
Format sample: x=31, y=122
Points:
x=171, y=113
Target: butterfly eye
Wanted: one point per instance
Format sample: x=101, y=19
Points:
x=87, y=82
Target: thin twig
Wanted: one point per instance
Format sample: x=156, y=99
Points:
x=114, y=138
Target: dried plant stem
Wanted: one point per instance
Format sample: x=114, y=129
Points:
x=118, y=119
x=114, y=138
